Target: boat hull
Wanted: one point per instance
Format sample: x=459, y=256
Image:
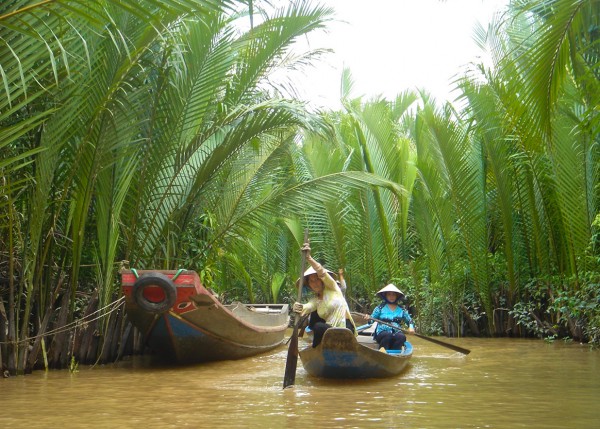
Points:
x=341, y=355
x=197, y=327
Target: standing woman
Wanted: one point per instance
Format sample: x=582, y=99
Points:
x=391, y=312
x=328, y=305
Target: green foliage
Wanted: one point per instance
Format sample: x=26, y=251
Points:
x=554, y=309
x=276, y=283
x=523, y=312
x=151, y=132
x=127, y=125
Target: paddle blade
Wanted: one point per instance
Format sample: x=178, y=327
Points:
x=444, y=344
x=291, y=363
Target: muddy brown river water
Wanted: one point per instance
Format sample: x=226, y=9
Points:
x=502, y=383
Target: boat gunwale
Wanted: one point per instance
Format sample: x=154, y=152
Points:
x=258, y=328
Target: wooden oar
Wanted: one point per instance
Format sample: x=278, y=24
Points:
x=425, y=337
x=292, y=357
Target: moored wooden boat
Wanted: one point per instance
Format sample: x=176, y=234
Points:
x=342, y=355
x=184, y=322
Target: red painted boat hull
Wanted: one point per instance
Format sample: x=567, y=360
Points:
x=197, y=327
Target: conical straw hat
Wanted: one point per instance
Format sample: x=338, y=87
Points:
x=310, y=271
x=390, y=288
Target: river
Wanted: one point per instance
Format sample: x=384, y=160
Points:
x=502, y=383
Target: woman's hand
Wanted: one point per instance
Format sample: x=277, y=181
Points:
x=306, y=248
x=298, y=307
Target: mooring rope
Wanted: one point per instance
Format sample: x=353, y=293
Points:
x=75, y=324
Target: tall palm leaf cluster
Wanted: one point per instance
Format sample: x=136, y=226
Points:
x=136, y=131
x=495, y=230
x=536, y=122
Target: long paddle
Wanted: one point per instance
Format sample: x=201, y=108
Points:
x=433, y=340
x=292, y=357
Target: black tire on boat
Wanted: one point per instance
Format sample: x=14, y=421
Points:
x=159, y=280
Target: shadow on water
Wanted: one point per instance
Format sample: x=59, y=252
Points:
x=503, y=383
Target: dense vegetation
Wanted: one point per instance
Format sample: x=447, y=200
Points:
x=151, y=135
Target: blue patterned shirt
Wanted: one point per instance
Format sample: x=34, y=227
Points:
x=385, y=314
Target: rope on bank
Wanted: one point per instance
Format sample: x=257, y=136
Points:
x=75, y=324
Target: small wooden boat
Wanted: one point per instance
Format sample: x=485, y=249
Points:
x=184, y=322
x=342, y=355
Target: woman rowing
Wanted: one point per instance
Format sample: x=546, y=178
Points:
x=328, y=307
x=390, y=311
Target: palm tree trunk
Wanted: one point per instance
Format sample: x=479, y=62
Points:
x=3, y=336
x=35, y=350
x=12, y=334
x=59, y=347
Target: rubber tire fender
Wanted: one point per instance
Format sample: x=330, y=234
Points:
x=154, y=279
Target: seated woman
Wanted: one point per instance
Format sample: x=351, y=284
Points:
x=329, y=307
x=391, y=312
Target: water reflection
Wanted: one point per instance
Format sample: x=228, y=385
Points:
x=503, y=383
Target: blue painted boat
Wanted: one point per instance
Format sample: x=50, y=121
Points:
x=343, y=355
x=185, y=323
